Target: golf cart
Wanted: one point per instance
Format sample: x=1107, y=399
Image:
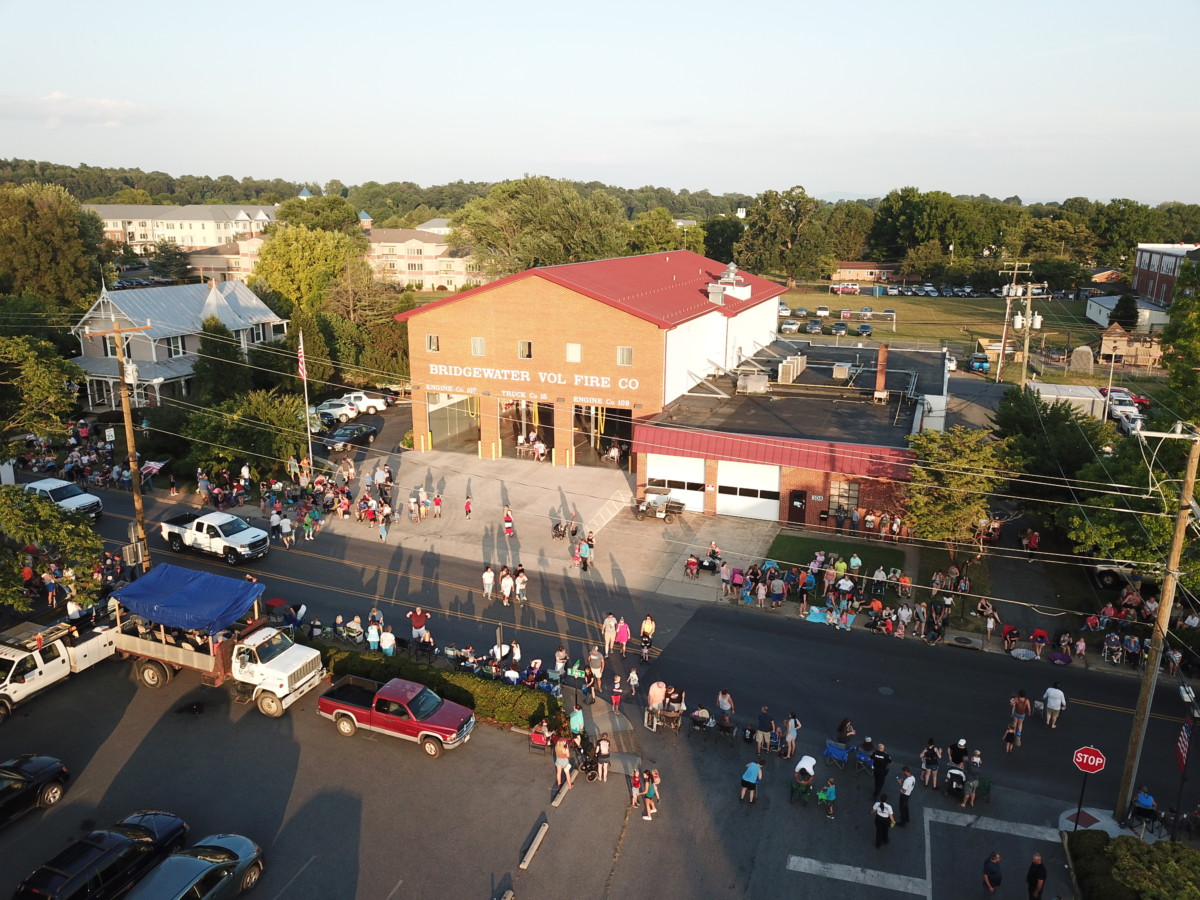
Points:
x=658, y=504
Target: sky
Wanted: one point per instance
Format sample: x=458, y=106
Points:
x=1045, y=100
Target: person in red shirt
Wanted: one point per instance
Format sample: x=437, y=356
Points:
x=418, y=617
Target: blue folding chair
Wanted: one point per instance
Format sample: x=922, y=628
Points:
x=836, y=754
x=862, y=761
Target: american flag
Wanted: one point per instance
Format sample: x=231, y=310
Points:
x=1183, y=744
x=300, y=359
x=152, y=468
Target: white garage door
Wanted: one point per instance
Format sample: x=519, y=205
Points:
x=682, y=474
x=748, y=490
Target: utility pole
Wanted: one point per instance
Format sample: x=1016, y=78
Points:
x=1141, y=714
x=135, y=472
x=1018, y=268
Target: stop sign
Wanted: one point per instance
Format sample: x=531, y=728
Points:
x=1089, y=760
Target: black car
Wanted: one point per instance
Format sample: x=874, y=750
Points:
x=813, y=326
x=350, y=436
x=30, y=781
x=109, y=861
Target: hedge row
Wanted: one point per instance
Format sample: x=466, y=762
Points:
x=494, y=701
x=1126, y=868
x=1093, y=869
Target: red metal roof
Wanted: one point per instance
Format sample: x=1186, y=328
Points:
x=861, y=460
x=666, y=289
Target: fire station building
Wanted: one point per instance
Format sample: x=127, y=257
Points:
x=670, y=363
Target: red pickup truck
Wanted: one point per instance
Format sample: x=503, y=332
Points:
x=400, y=708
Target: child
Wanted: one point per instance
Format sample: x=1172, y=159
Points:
x=635, y=787
x=829, y=795
x=616, y=693
x=174, y=486
x=575, y=557
x=1010, y=738
x=1080, y=648
x=845, y=620
x=633, y=683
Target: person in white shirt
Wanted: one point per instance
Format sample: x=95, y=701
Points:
x=1056, y=702
x=908, y=783
x=387, y=641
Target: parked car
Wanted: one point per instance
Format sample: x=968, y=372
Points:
x=29, y=782
x=848, y=287
x=218, y=867
x=889, y=314
x=979, y=362
x=109, y=861
x=968, y=290
x=789, y=326
x=951, y=362
x=784, y=309
x=1142, y=403
x=800, y=312
x=1130, y=423
x=866, y=312
x=321, y=421
x=67, y=495
x=908, y=290
x=813, y=326
x=351, y=436
x=399, y=708
x=1121, y=406
x=368, y=402
x=864, y=329
x=893, y=290
x=839, y=328
x=822, y=311
x=339, y=409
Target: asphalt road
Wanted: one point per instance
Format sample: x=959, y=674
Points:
x=372, y=818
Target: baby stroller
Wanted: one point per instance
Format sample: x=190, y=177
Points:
x=956, y=778
x=585, y=757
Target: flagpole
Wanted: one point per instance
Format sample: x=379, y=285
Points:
x=304, y=379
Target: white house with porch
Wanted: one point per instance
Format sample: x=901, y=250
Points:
x=165, y=352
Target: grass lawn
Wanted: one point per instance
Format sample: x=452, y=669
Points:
x=796, y=550
x=934, y=559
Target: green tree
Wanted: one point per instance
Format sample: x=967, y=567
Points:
x=1119, y=226
x=720, y=236
x=220, y=370
x=49, y=246
x=317, y=359
x=1061, y=238
x=330, y=213
x=655, y=231
x=1124, y=312
x=299, y=265
x=894, y=227
x=133, y=197
x=1059, y=274
x=952, y=478
x=170, y=261
x=847, y=225
x=784, y=237
x=37, y=391
x=926, y=260
x=69, y=537
x=538, y=221
x=1165, y=870
x=1048, y=441
x=263, y=427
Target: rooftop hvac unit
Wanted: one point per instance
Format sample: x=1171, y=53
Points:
x=841, y=372
x=753, y=384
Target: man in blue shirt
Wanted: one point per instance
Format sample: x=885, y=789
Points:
x=750, y=779
x=577, y=720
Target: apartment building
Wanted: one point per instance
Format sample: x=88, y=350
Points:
x=193, y=227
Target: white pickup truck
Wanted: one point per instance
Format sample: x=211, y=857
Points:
x=32, y=658
x=218, y=533
x=366, y=402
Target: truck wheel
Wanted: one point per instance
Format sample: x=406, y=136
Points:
x=370, y=410
x=50, y=794
x=5, y=712
x=346, y=725
x=232, y=557
x=175, y=542
x=270, y=705
x=250, y=877
x=432, y=747
x=370, y=438
x=153, y=674
x=343, y=418
x=639, y=515
x=668, y=518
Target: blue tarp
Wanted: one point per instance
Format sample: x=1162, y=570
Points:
x=185, y=598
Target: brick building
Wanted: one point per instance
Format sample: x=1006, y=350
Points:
x=1156, y=267
x=673, y=358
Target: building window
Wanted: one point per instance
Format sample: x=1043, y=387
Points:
x=431, y=343
x=843, y=493
x=574, y=353
x=175, y=346
x=478, y=347
x=624, y=356
x=256, y=334
x=524, y=349
x=110, y=346
x=416, y=251
x=414, y=267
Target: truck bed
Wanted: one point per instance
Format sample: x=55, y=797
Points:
x=183, y=520
x=353, y=691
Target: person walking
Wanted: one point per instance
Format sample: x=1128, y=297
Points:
x=285, y=531
x=1055, y=701
x=829, y=795
x=609, y=628
x=766, y=726
x=725, y=705
x=931, y=757
x=507, y=583
x=885, y=820
x=971, y=785
x=991, y=873
x=1021, y=707
x=750, y=778
x=508, y=522
x=617, y=691
x=467, y=507
x=881, y=761
x=622, y=635
x=437, y=506
x=595, y=663
x=633, y=682
x=1035, y=878
x=585, y=553
x=908, y=783
x=791, y=727
x=648, y=629
x=520, y=585
x=650, y=793
x=489, y=583
x=562, y=763
x=603, y=756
